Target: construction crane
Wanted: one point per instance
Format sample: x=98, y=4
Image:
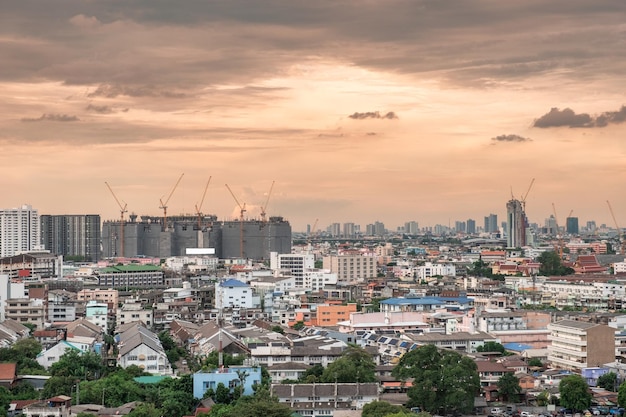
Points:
x=122, y=211
x=620, y=238
x=523, y=200
x=267, y=200
x=558, y=232
x=164, y=204
x=242, y=209
x=199, y=207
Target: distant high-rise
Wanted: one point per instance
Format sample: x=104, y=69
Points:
x=471, y=226
x=551, y=226
x=571, y=225
x=349, y=231
x=379, y=228
x=459, y=226
x=19, y=230
x=491, y=223
x=516, y=224
x=411, y=228
x=72, y=235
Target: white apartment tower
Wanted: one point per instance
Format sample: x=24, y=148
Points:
x=19, y=230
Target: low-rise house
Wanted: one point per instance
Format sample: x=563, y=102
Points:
x=139, y=346
x=11, y=331
x=8, y=374
x=59, y=406
x=52, y=355
x=490, y=372
x=287, y=371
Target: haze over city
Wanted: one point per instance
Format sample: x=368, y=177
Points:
x=432, y=111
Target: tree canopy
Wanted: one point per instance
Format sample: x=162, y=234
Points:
x=551, y=264
x=508, y=387
x=380, y=409
x=444, y=381
x=608, y=381
x=575, y=393
x=354, y=365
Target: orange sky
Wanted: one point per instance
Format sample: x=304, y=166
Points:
x=359, y=110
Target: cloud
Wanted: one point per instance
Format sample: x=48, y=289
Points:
x=52, y=118
x=568, y=118
x=373, y=115
x=510, y=138
x=104, y=109
x=112, y=91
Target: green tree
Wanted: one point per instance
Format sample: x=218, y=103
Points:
x=24, y=391
x=575, y=393
x=222, y=394
x=80, y=365
x=254, y=406
x=380, y=409
x=354, y=365
x=444, y=381
x=59, y=385
x=278, y=329
x=313, y=374
x=621, y=395
x=551, y=264
x=145, y=410
x=299, y=325
x=491, y=346
x=508, y=387
x=5, y=400
x=608, y=381
x=535, y=362
x=212, y=360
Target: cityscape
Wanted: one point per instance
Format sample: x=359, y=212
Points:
x=234, y=208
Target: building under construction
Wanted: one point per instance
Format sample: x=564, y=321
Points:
x=149, y=236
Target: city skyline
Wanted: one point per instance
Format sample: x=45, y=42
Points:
x=359, y=111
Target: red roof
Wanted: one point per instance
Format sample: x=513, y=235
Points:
x=7, y=371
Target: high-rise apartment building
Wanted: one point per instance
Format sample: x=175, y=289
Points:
x=491, y=223
x=471, y=226
x=72, y=235
x=349, y=230
x=411, y=228
x=516, y=224
x=19, y=230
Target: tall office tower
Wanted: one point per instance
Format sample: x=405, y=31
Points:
x=459, y=226
x=72, y=235
x=516, y=224
x=591, y=226
x=471, y=226
x=551, y=226
x=571, y=225
x=369, y=230
x=19, y=230
x=491, y=223
x=349, y=231
x=411, y=228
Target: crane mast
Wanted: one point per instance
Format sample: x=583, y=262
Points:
x=164, y=204
x=242, y=210
x=122, y=211
x=620, y=239
x=267, y=200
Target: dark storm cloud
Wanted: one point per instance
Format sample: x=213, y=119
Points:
x=52, y=118
x=373, y=115
x=159, y=43
x=568, y=118
x=510, y=138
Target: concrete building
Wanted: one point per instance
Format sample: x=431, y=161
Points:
x=516, y=224
x=234, y=294
x=491, y=223
x=571, y=225
x=76, y=236
x=19, y=230
x=108, y=296
x=26, y=310
x=575, y=345
x=147, y=237
x=330, y=315
x=32, y=266
x=130, y=276
x=10, y=289
x=351, y=268
x=134, y=311
x=324, y=400
x=98, y=313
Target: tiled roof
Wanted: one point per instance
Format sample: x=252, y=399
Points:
x=7, y=371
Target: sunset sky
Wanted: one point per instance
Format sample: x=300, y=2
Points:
x=359, y=110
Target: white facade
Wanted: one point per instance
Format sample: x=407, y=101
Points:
x=134, y=311
x=316, y=279
x=619, y=267
x=429, y=270
x=234, y=294
x=19, y=230
x=195, y=263
x=97, y=313
x=9, y=289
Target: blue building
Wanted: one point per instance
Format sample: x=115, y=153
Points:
x=426, y=304
x=230, y=377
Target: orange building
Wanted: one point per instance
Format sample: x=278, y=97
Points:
x=330, y=315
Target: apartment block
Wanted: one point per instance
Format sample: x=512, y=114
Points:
x=73, y=236
x=575, y=345
x=19, y=230
x=330, y=315
x=26, y=310
x=351, y=268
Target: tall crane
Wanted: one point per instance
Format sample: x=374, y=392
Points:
x=620, y=238
x=558, y=233
x=523, y=200
x=242, y=209
x=122, y=211
x=199, y=207
x=164, y=204
x=267, y=200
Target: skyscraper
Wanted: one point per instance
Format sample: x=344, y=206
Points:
x=19, y=230
x=516, y=224
x=471, y=226
x=571, y=225
x=72, y=235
